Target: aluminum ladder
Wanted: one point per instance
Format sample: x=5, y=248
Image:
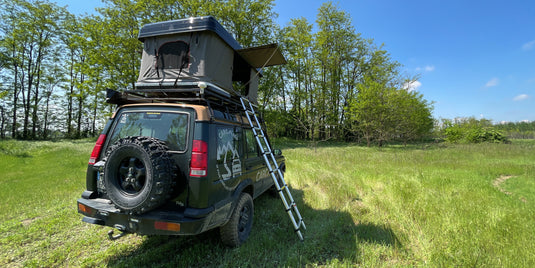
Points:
x=273, y=167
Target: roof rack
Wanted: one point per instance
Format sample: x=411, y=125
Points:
x=183, y=92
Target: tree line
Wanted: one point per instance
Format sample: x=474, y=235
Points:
x=472, y=130
x=518, y=130
x=55, y=67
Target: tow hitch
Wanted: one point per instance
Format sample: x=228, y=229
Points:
x=120, y=228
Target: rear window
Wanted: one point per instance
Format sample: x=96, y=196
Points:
x=170, y=127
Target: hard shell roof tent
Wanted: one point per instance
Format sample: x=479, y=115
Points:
x=185, y=52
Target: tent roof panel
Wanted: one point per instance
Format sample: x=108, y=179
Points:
x=198, y=24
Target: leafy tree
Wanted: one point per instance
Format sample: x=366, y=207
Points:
x=334, y=41
x=413, y=116
x=30, y=38
x=251, y=21
x=372, y=111
x=298, y=45
x=11, y=64
x=382, y=113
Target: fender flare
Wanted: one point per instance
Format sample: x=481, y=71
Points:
x=244, y=186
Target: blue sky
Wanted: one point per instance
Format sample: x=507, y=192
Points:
x=476, y=58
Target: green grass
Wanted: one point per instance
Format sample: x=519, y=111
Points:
x=420, y=205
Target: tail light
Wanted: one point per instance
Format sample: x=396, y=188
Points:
x=167, y=226
x=199, y=159
x=85, y=209
x=96, y=150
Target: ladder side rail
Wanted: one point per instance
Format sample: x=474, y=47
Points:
x=285, y=186
x=285, y=193
x=255, y=133
x=292, y=205
x=266, y=142
x=283, y=190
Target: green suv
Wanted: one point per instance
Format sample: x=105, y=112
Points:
x=179, y=156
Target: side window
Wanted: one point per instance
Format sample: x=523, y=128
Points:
x=251, y=146
x=173, y=55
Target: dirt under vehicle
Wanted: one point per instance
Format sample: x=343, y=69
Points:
x=185, y=151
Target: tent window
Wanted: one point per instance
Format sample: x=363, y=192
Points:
x=173, y=55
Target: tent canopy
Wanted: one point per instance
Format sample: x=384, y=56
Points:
x=262, y=56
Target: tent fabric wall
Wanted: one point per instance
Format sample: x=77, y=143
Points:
x=252, y=94
x=210, y=60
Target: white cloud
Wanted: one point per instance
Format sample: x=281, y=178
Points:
x=412, y=85
x=492, y=82
x=521, y=97
x=427, y=68
x=528, y=46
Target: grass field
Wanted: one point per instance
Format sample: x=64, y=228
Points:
x=421, y=205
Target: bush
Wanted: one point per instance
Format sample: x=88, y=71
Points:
x=485, y=135
x=474, y=135
x=453, y=134
x=473, y=131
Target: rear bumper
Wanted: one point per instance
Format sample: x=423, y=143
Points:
x=156, y=222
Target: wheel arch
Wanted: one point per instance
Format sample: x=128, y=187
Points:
x=246, y=186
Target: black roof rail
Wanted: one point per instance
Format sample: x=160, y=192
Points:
x=203, y=93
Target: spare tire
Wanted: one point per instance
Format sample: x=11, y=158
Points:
x=138, y=174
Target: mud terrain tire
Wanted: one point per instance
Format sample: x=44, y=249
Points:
x=238, y=228
x=138, y=174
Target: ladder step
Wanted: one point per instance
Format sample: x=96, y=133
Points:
x=290, y=206
x=300, y=224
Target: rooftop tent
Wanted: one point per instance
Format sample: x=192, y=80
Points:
x=187, y=49
x=200, y=49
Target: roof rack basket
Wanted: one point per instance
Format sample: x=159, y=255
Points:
x=185, y=92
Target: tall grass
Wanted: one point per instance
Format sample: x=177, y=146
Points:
x=439, y=205
x=419, y=205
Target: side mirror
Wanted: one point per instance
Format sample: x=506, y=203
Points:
x=277, y=151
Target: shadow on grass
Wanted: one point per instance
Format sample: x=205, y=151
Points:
x=331, y=236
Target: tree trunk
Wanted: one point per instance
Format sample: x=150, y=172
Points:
x=80, y=110
x=95, y=108
x=69, y=97
x=93, y=123
x=26, y=99
x=2, y=122
x=45, y=129
x=36, y=97
x=15, y=102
